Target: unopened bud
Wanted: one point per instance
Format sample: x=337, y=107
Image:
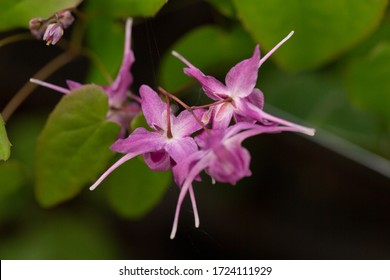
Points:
x=65, y=18
x=37, y=27
x=53, y=33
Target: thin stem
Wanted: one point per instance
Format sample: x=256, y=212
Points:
x=169, y=131
x=15, y=38
x=188, y=108
x=227, y=99
x=28, y=87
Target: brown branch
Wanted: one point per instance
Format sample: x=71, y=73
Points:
x=28, y=87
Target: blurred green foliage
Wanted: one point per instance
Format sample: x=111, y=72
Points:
x=5, y=145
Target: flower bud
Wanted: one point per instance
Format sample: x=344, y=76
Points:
x=65, y=18
x=53, y=33
x=37, y=27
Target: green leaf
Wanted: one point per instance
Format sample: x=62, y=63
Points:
x=223, y=48
x=126, y=8
x=18, y=13
x=368, y=81
x=105, y=38
x=12, y=177
x=73, y=147
x=13, y=190
x=323, y=29
x=5, y=145
x=61, y=236
x=139, y=121
x=134, y=189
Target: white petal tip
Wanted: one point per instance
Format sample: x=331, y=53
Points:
x=310, y=132
x=172, y=236
x=174, y=53
x=129, y=22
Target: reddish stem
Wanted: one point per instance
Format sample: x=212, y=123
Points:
x=188, y=108
x=169, y=131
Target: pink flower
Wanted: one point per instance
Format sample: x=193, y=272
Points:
x=121, y=111
x=167, y=145
x=221, y=156
x=238, y=97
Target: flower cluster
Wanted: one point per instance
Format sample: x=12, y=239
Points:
x=52, y=28
x=121, y=109
x=200, y=138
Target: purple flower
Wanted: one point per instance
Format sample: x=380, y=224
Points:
x=167, y=145
x=238, y=97
x=53, y=33
x=121, y=109
x=221, y=156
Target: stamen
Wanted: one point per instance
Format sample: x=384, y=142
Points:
x=227, y=99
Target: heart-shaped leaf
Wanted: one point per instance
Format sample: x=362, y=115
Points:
x=126, y=8
x=134, y=189
x=323, y=29
x=73, y=147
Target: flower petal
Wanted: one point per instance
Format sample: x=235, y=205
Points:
x=247, y=109
x=140, y=141
x=241, y=79
x=158, y=161
x=195, y=170
x=121, y=161
x=222, y=115
x=181, y=169
x=211, y=86
x=256, y=98
x=117, y=91
x=72, y=84
x=180, y=148
x=185, y=123
x=153, y=108
x=230, y=163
